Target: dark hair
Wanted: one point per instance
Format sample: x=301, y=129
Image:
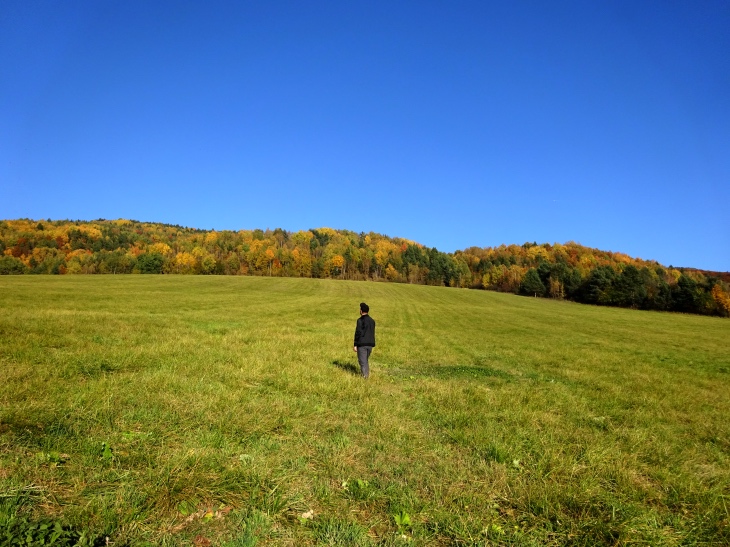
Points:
x=364, y=307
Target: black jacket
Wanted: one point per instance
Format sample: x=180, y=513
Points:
x=365, y=331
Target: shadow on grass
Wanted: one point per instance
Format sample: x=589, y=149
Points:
x=347, y=367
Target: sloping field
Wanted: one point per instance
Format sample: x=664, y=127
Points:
x=226, y=411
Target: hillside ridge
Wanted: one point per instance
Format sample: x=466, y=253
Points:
x=564, y=271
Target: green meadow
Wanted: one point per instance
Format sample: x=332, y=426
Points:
x=196, y=410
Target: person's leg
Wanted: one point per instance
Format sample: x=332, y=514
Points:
x=363, y=354
x=367, y=361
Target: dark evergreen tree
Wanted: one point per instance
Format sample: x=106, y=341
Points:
x=597, y=288
x=150, y=263
x=685, y=295
x=531, y=284
x=628, y=289
x=544, y=271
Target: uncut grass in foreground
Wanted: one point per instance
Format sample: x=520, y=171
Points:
x=175, y=410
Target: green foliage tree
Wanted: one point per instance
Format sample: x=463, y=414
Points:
x=209, y=265
x=10, y=265
x=531, y=284
x=150, y=263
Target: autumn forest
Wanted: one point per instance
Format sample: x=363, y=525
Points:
x=563, y=271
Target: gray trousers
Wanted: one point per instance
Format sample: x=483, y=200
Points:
x=363, y=354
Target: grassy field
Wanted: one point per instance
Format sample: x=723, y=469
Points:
x=227, y=411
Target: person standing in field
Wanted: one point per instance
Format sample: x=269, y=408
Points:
x=364, y=339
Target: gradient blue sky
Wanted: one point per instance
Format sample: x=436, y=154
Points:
x=454, y=124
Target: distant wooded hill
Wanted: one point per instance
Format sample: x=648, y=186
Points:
x=565, y=271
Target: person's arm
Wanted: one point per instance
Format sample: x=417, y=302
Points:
x=358, y=334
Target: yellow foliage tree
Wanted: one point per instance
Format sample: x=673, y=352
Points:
x=337, y=263
x=78, y=253
x=184, y=263
x=722, y=298
x=384, y=250
x=391, y=274
x=302, y=263
x=161, y=248
x=556, y=289
x=270, y=259
x=512, y=278
x=211, y=238
x=90, y=230
x=537, y=252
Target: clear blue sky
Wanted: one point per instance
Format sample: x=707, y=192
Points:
x=454, y=124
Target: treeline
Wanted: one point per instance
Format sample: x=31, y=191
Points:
x=570, y=271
